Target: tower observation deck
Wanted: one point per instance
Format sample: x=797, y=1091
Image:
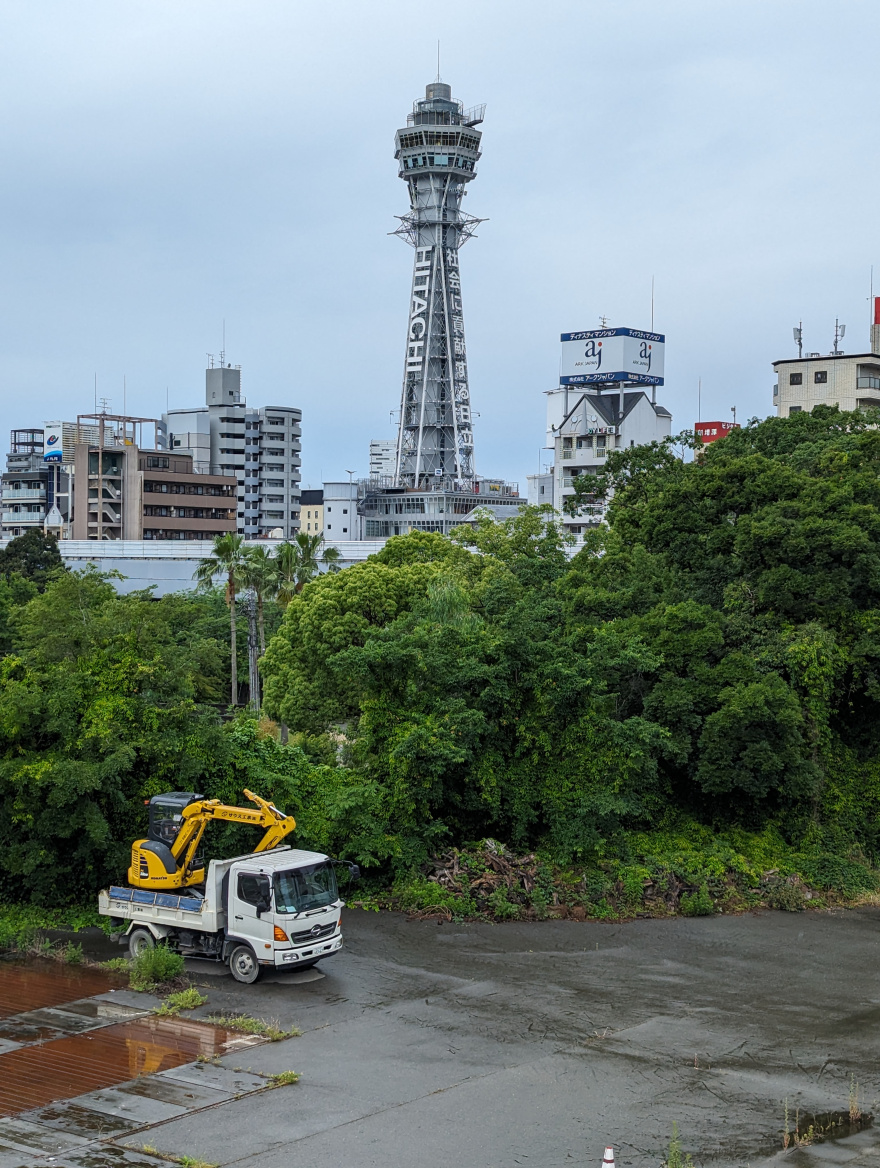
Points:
x=437, y=154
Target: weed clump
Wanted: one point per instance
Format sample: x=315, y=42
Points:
x=154, y=967
x=247, y=1025
x=697, y=904
x=676, y=1157
x=284, y=1078
x=787, y=895
x=501, y=906
x=189, y=999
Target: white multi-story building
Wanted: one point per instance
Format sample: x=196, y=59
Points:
x=259, y=445
x=582, y=427
x=340, y=512
x=850, y=381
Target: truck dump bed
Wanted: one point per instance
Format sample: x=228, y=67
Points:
x=159, y=908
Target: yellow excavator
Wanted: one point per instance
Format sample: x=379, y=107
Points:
x=166, y=860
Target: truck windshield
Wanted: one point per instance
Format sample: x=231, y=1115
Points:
x=305, y=888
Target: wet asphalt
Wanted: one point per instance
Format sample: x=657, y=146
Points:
x=490, y=1045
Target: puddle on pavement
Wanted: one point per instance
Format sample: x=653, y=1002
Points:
x=63, y=1068
x=78, y=1121
x=110, y=1157
x=35, y=984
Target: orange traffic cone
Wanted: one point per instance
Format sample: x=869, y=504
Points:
x=608, y=1158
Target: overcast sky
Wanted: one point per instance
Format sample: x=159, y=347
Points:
x=170, y=165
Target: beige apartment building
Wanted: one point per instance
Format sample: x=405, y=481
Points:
x=848, y=380
x=121, y=491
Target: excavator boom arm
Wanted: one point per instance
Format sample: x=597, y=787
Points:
x=197, y=816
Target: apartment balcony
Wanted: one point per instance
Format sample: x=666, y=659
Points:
x=21, y=518
x=11, y=494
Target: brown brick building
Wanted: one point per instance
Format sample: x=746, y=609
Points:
x=123, y=492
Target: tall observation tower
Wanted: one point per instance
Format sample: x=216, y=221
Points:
x=437, y=155
x=434, y=485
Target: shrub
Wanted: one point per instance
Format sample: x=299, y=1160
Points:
x=417, y=894
x=787, y=896
x=697, y=904
x=154, y=967
x=539, y=903
x=500, y=904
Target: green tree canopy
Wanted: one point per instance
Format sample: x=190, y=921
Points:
x=34, y=556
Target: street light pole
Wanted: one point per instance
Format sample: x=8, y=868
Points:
x=350, y=474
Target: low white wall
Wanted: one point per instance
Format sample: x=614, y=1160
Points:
x=169, y=565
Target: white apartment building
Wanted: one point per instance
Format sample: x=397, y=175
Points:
x=340, y=512
x=848, y=380
x=259, y=445
x=581, y=429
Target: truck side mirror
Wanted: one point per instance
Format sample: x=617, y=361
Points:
x=354, y=873
x=263, y=905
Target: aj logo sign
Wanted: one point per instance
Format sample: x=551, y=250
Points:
x=645, y=354
x=593, y=351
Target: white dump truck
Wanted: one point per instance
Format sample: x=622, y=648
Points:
x=277, y=909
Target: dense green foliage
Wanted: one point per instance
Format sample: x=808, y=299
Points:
x=711, y=658
x=106, y=700
x=685, y=712
x=32, y=556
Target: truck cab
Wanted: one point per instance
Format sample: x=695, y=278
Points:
x=284, y=914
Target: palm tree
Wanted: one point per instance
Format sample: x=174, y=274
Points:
x=227, y=559
x=300, y=561
x=260, y=574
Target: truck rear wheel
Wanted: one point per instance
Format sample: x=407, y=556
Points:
x=243, y=965
x=139, y=941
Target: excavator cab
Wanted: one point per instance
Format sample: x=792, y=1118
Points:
x=153, y=861
x=166, y=815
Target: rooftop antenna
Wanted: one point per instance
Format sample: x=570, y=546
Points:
x=733, y=411
x=839, y=330
x=105, y=402
x=124, y=394
x=699, y=399
x=96, y=393
x=438, y=60
x=799, y=337
x=223, y=350
x=603, y=322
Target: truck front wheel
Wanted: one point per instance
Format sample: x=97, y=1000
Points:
x=139, y=941
x=243, y=964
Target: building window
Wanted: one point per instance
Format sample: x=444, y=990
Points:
x=794, y=409
x=820, y=377
x=157, y=463
x=795, y=379
x=344, y=510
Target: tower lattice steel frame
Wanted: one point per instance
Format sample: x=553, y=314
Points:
x=438, y=153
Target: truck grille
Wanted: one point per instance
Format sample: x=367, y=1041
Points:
x=315, y=933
